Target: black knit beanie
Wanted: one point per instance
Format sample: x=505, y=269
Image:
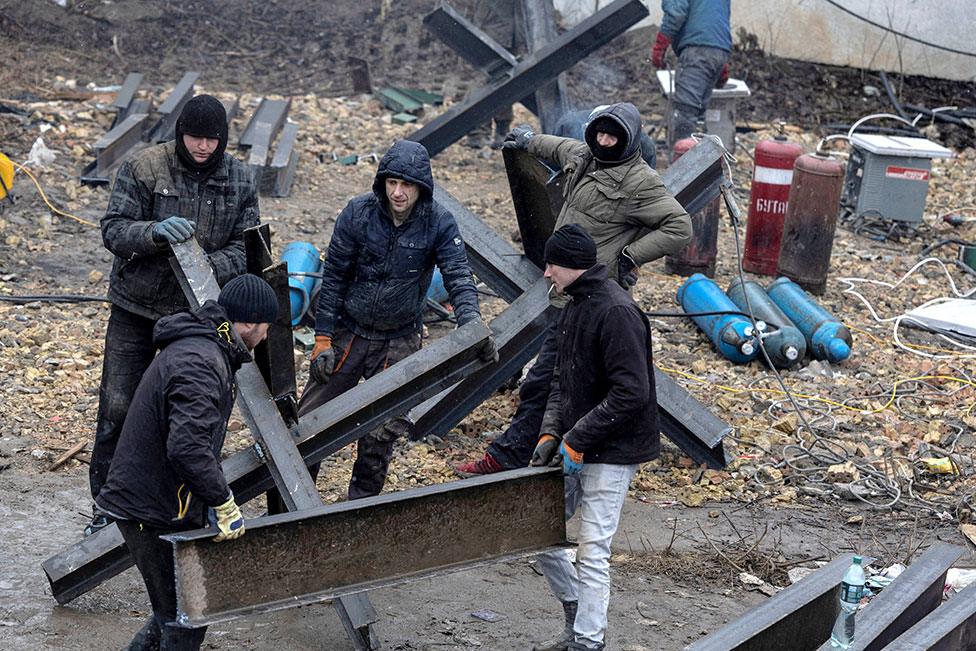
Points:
x=249, y=299
x=610, y=126
x=571, y=247
x=203, y=116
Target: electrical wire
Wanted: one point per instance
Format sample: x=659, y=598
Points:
x=53, y=298
x=891, y=30
x=55, y=210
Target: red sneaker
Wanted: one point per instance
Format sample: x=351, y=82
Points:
x=483, y=466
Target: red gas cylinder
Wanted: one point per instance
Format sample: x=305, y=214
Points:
x=767, y=204
x=811, y=219
x=699, y=256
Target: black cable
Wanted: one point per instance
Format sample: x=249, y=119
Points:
x=691, y=314
x=54, y=298
x=897, y=33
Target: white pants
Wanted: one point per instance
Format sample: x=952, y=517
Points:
x=598, y=490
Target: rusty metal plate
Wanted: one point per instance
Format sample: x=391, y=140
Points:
x=299, y=558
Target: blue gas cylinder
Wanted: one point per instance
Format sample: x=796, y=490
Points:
x=785, y=344
x=302, y=258
x=732, y=335
x=827, y=338
x=437, y=292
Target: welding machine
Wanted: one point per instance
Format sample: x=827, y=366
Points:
x=888, y=176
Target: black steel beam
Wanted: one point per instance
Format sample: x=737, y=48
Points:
x=540, y=30
x=124, y=99
x=115, y=145
x=519, y=331
x=695, y=182
x=799, y=618
x=301, y=558
x=536, y=205
x=950, y=627
x=169, y=110
x=689, y=424
x=914, y=594
x=265, y=123
x=493, y=260
x=284, y=162
x=537, y=69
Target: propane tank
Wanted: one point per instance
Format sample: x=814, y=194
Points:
x=771, y=180
x=785, y=345
x=301, y=258
x=811, y=218
x=732, y=335
x=699, y=256
x=827, y=338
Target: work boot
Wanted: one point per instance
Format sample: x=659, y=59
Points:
x=99, y=520
x=502, y=127
x=562, y=641
x=483, y=466
x=476, y=140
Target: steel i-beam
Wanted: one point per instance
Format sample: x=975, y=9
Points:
x=283, y=163
x=799, y=618
x=532, y=73
x=300, y=558
x=540, y=29
x=536, y=204
x=111, y=148
x=913, y=594
x=165, y=128
x=265, y=123
x=950, y=627
x=125, y=97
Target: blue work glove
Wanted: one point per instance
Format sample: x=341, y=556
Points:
x=626, y=270
x=519, y=137
x=173, y=229
x=572, y=460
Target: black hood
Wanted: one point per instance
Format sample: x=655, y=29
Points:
x=405, y=160
x=628, y=118
x=208, y=320
x=203, y=116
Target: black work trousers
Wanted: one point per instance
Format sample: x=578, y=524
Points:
x=129, y=350
x=154, y=559
x=514, y=447
x=359, y=358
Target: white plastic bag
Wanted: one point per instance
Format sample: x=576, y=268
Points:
x=40, y=155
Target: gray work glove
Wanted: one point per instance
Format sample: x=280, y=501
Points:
x=545, y=451
x=323, y=359
x=519, y=137
x=626, y=270
x=173, y=230
x=489, y=350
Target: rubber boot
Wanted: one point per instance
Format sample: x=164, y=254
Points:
x=502, y=127
x=148, y=638
x=562, y=641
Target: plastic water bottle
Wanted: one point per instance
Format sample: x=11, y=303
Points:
x=851, y=589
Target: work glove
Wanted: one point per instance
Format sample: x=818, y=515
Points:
x=572, y=460
x=659, y=49
x=545, y=450
x=323, y=359
x=489, y=350
x=229, y=520
x=723, y=77
x=518, y=138
x=173, y=230
x=626, y=270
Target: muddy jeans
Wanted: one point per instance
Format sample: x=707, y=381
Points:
x=598, y=491
x=129, y=350
x=698, y=71
x=154, y=559
x=514, y=447
x=357, y=358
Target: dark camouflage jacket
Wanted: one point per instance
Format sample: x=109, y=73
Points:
x=149, y=187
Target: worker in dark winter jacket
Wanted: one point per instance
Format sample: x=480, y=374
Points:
x=622, y=203
x=601, y=423
x=374, y=285
x=700, y=34
x=168, y=193
x=167, y=475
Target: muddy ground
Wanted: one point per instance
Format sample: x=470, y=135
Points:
x=672, y=580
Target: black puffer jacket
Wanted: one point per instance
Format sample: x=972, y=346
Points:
x=151, y=186
x=166, y=469
x=602, y=400
x=376, y=275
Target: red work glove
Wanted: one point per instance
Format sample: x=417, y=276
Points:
x=723, y=77
x=660, y=48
